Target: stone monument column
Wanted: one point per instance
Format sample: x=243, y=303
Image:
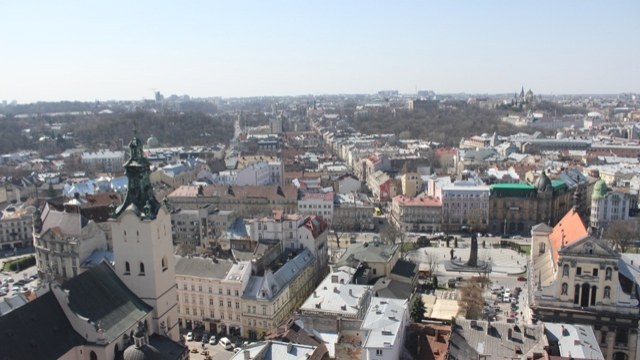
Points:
x=473, y=255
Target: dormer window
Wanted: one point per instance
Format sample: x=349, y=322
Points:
x=127, y=268
x=607, y=273
x=141, y=269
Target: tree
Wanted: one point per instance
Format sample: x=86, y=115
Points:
x=417, y=309
x=434, y=282
x=340, y=226
x=391, y=235
x=621, y=234
x=471, y=301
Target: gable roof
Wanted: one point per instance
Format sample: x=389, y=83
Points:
x=38, y=330
x=100, y=296
x=568, y=230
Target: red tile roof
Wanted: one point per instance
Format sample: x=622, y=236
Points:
x=569, y=230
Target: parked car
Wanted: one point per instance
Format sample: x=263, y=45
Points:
x=226, y=343
x=205, y=338
x=522, y=278
x=189, y=336
x=212, y=340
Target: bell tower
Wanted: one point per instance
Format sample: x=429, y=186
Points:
x=142, y=245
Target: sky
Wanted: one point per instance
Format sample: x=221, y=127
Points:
x=127, y=50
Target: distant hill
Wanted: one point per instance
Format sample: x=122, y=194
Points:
x=171, y=129
x=443, y=125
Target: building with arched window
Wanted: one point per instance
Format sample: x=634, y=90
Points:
x=94, y=315
x=580, y=279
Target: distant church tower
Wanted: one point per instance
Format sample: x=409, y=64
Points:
x=142, y=245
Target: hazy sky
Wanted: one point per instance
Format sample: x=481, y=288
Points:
x=88, y=50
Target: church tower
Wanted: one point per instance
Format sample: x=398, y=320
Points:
x=142, y=245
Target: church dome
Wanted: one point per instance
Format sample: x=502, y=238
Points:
x=144, y=352
x=153, y=142
x=543, y=183
x=600, y=190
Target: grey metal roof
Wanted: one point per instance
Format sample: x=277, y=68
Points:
x=268, y=286
x=367, y=252
x=470, y=338
x=574, y=341
x=405, y=268
x=38, y=330
x=100, y=296
x=276, y=350
x=201, y=267
x=393, y=289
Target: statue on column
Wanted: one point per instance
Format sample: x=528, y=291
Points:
x=473, y=255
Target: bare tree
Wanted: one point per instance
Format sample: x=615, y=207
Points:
x=471, y=301
x=340, y=226
x=621, y=234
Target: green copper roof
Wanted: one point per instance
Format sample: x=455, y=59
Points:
x=519, y=186
x=513, y=190
x=140, y=197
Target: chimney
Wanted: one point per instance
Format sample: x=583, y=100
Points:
x=510, y=333
x=350, y=292
x=289, y=347
x=247, y=355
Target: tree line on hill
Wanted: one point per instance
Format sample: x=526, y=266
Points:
x=443, y=125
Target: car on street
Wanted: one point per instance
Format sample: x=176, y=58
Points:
x=522, y=278
x=189, y=336
x=212, y=340
x=226, y=343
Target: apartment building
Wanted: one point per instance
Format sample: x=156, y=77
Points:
x=210, y=294
x=422, y=214
x=272, y=298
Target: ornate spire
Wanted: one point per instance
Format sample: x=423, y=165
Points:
x=140, y=197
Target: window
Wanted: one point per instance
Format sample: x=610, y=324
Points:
x=127, y=268
x=164, y=264
x=578, y=270
x=378, y=352
x=229, y=303
x=607, y=292
x=237, y=305
x=237, y=293
x=211, y=301
x=594, y=272
x=199, y=288
x=141, y=269
x=542, y=246
x=565, y=270
x=565, y=289
x=607, y=274
x=228, y=291
x=221, y=303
